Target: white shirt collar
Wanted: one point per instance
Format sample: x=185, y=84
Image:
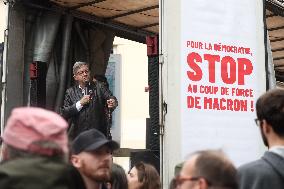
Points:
x=279, y=150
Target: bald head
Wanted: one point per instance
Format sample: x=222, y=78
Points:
x=209, y=168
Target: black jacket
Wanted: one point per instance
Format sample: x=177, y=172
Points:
x=92, y=115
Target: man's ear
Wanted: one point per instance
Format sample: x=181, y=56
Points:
x=76, y=161
x=266, y=127
x=203, y=184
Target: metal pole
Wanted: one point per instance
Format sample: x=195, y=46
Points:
x=1, y=61
x=4, y=71
x=161, y=107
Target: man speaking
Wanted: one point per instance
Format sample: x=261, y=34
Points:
x=85, y=103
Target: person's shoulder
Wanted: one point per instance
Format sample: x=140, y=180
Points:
x=17, y=165
x=257, y=164
x=72, y=88
x=99, y=84
x=257, y=175
x=252, y=163
x=259, y=168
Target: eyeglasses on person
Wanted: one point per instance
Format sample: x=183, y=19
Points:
x=82, y=72
x=257, y=122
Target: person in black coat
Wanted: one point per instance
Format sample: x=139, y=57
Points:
x=85, y=103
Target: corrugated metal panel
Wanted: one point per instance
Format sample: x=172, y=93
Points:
x=275, y=26
x=134, y=13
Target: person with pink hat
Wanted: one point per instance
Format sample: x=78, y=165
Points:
x=35, y=151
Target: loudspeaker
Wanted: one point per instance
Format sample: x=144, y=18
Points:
x=146, y=156
x=153, y=137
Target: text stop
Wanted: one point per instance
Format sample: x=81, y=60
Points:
x=231, y=70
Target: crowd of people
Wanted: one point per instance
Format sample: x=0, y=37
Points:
x=36, y=154
x=38, y=150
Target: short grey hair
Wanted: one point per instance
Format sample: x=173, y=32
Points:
x=48, y=146
x=78, y=65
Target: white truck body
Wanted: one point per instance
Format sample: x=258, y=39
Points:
x=211, y=92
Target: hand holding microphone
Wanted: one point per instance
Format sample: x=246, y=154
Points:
x=85, y=100
x=87, y=97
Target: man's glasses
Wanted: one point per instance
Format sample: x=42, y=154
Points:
x=179, y=180
x=257, y=122
x=82, y=72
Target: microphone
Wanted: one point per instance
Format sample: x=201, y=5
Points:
x=86, y=88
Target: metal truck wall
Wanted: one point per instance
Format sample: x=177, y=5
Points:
x=12, y=81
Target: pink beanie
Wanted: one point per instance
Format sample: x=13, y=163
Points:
x=29, y=124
